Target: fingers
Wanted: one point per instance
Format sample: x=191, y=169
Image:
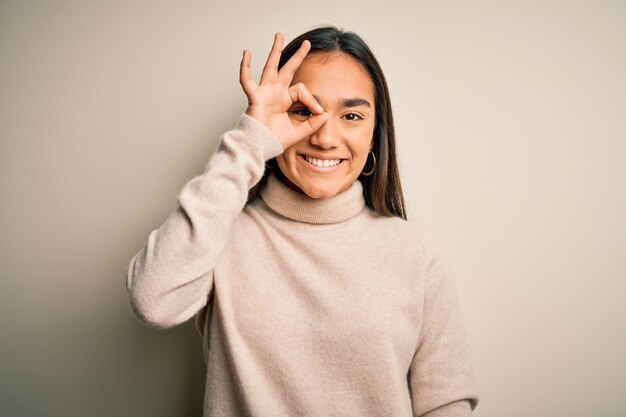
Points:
x=271, y=65
x=311, y=125
x=245, y=76
x=289, y=69
x=300, y=93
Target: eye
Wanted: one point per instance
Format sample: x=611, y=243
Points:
x=354, y=117
x=302, y=112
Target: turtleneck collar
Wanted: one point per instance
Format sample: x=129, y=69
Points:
x=299, y=206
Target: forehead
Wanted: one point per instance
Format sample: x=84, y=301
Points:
x=333, y=75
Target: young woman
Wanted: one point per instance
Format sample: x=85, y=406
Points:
x=313, y=294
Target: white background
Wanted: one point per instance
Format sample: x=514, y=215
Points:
x=511, y=129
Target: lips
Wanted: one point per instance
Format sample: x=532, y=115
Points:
x=321, y=158
x=318, y=168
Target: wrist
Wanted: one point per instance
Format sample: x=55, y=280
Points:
x=259, y=136
x=260, y=114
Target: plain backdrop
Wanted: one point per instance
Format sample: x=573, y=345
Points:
x=511, y=129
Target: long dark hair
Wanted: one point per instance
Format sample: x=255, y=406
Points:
x=382, y=189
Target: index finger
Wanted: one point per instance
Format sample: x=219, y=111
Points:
x=245, y=77
x=271, y=65
x=289, y=69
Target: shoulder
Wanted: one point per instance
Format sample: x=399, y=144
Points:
x=412, y=237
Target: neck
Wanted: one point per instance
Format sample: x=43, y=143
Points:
x=297, y=205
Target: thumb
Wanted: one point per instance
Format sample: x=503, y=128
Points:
x=311, y=125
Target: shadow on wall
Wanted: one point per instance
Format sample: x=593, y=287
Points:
x=195, y=372
x=167, y=363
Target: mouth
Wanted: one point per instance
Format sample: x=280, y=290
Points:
x=321, y=165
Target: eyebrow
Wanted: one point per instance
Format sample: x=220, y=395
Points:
x=349, y=102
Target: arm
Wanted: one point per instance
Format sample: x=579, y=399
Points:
x=441, y=375
x=171, y=277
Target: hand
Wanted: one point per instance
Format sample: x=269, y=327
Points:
x=270, y=101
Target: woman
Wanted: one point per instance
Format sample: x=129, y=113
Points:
x=313, y=294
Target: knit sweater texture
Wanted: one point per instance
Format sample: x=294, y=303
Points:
x=306, y=307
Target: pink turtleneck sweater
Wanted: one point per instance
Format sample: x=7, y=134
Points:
x=306, y=307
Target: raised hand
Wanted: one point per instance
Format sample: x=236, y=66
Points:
x=270, y=101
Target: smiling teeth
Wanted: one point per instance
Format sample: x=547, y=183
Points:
x=322, y=162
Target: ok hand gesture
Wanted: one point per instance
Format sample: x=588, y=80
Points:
x=270, y=101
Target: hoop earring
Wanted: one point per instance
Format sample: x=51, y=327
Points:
x=371, y=171
x=269, y=166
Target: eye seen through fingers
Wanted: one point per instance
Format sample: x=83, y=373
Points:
x=304, y=112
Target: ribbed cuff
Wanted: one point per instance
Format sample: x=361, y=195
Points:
x=456, y=409
x=259, y=136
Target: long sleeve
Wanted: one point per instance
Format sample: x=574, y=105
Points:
x=171, y=277
x=441, y=374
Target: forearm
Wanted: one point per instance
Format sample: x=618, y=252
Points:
x=442, y=372
x=172, y=275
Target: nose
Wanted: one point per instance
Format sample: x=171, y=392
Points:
x=327, y=136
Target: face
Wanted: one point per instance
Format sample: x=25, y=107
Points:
x=344, y=89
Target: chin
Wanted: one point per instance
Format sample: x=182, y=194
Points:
x=319, y=190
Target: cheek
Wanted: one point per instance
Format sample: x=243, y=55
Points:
x=359, y=142
x=287, y=158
